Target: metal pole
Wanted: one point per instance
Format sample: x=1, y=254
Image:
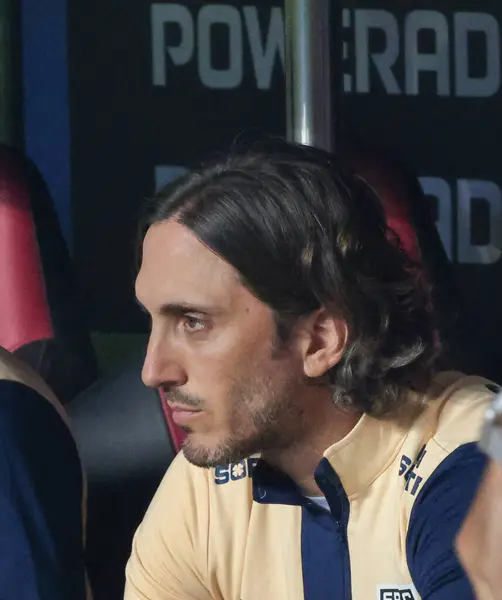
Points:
x=309, y=72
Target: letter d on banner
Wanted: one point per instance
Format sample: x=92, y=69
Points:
x=488, y=191
x=489, y=83
x=439, y=189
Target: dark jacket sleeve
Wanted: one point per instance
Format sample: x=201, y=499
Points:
x=436, y=518
x=41, y=532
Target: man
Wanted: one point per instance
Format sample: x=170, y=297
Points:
x=324, y=457
x=41, y=492
x=479, y=543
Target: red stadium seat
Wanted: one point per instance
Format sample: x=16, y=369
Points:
x=410, y=215
x=40, y=320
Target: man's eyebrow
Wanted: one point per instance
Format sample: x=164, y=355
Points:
x=182, y=308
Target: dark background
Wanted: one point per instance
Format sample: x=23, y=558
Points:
x=123, y=127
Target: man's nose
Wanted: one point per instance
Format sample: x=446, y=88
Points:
x=161, y=366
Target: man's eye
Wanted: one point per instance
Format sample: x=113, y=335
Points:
x=193, y=324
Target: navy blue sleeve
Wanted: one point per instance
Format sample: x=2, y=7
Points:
x=41, y=537
x=435, y=520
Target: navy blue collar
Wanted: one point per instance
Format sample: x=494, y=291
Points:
x=272, y=486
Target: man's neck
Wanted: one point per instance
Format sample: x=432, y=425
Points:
x=326, y=426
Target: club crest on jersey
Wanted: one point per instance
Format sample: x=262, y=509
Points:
x=396, y=592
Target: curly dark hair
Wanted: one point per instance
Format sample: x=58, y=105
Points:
x=304, y=232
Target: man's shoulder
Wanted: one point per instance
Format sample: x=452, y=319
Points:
x=449, y=469
x=17, y=375
x=13, y=369
x=446, y=432
x=457, y=408
x=30, y=413
x=442, y=443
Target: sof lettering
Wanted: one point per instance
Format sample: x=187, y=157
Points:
x=234, y=471
x=407, y=470
x=425, y=52
x=181, y=35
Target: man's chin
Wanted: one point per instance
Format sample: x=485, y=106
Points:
x=201, y=457
x=209, y=457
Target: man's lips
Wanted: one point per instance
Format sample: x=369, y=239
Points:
x=184, y=414
x=183, y=408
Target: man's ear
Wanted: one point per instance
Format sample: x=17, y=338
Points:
x=323, y=340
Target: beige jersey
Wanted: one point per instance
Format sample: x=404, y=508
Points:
x=396, y=498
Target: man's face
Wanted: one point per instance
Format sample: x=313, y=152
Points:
x=213, y=348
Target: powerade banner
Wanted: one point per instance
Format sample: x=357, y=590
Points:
x=155, y=86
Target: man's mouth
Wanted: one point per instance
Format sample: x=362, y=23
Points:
x=183, y=414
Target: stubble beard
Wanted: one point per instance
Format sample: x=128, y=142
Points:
x=272, y=427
